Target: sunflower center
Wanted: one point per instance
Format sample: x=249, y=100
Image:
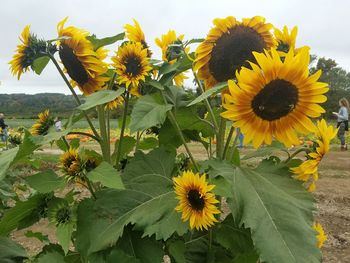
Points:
x=275, y=100
x=232, y=50
x=132, y=65
x=63, y=215
x=74, y=67
x=195, y=199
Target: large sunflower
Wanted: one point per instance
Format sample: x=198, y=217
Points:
x=43, y=123
x=229, y=46
x=164, y=43
x=132, y=65
x=196, y=202
x=275, y=98
x=308, y=170
x=134, y=33
x=83, y=64
x=286, y=40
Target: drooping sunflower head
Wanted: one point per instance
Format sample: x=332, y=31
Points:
x=135, y=34
x=196, y=203
x=229, y=46
x=286, y=40
x=72, y=165
x=275, y=98
x=26, y=52
x=42, y=124
x=321, y=236
x=83, y=64
x=132, y=65
x=324, y=135
x=172, y=48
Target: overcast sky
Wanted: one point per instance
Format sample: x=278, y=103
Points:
x=323, y=25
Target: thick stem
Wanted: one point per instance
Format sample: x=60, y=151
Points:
x=230, y=156
x=105, y=144
x=125, y=113
x=228, y=140
x=74, y=94
x=220, y=139
x=89, y=185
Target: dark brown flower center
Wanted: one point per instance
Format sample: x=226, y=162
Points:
x=195, y=199
x=133, y=67
x=74, y=67
x=232, y=50
x=277, y=99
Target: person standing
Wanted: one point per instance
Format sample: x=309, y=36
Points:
x=343, y=122
x=3, y=127
x=58, y=124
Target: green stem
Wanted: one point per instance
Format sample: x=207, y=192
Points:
x=220, y=139
x=230, y=156
x=228, y=140
x=306, y=150
x=85, y=134
x=125, y=113
x=74, y=94
x=108, y=125
x=91, y=189
x=105, y=144
x=65, y=141
x=207, y=104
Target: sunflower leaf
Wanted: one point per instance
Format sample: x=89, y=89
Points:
x=45, y=182
x=99, y=98
x=97, y=43
x=155, y=84
x=11, y=251
x=210, y=92
x=40, y=63
x=107, y=176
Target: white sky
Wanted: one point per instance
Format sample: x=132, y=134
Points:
x=324, y=25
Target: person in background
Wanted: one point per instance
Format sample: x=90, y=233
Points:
x=58, y=124
x=3, y=126
x=343, y=122
x=240, y=137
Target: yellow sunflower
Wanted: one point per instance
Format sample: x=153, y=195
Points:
x=229, y=46
x=275, y=98
x=134, y=33
x=308, y=170
x=71, y=164
x=43, y=124
x=196, y=202
x=132, y=65
x=286, y=40
x=321, y=236
x=83, y=64
x=164, y=42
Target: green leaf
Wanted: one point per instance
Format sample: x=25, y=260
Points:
x=128, y=145
x=148, y=111
x=100, y=97
x=195, y=40
x=266, y=150
x=11, y=251
x=38, y=235
x=107, y=176
x=52, y=257
x=155, y=84
x=64, y=234
x=45, y=182
x=6, y=158
x=120, y=256
x=148, y=143
x=210, y=92
x=97, y=43
x=177, y=96
x=177, y=250
x=40, y=63
x=276, y=208
x=62, y=145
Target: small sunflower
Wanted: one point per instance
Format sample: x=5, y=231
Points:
x=275, y=98
x=83, y=64
x=285, y=40
x=321, y=236
x=72, y=165
x=116, y=102
x=43, y=124
x=26, y=52
x=134, y=33
x=229, y=46
x=308, y=170
x=132, y=65
x=196, y=202
x=165, y=43
x=60, y=213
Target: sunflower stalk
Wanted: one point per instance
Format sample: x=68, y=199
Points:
x=125, y=113
x=220, y=139
x=228, y=140
x=230, y=155
x=74, y=94
x=105, y=143
x=304, y=149
x=90, y=187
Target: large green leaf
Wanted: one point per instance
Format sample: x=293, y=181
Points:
x=148, y=143
x=148, y=205
x=64, y=234
x=176, y=96
x=128, y=144
x=99, y=98
x=97, y=43
x=276, y=208
x=6, y=159
x=52, y=257
x=148, y=111
x=46, y=181
x=107, y=176
x=265, y=151
x=210, y=92
x=11, y=251
x=40, y=63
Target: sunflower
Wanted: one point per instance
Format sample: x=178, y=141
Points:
x=43, y=124
x=275, y=98
x=60, y=213
x=165, y=43
x=229, y=46
x=285, y=40
x=196, y=202
x=116, y=102
x=308, y=170
x=321, y=236
x=132, y=65
x=72, y=165
x=83, y=64
x=134, y=33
